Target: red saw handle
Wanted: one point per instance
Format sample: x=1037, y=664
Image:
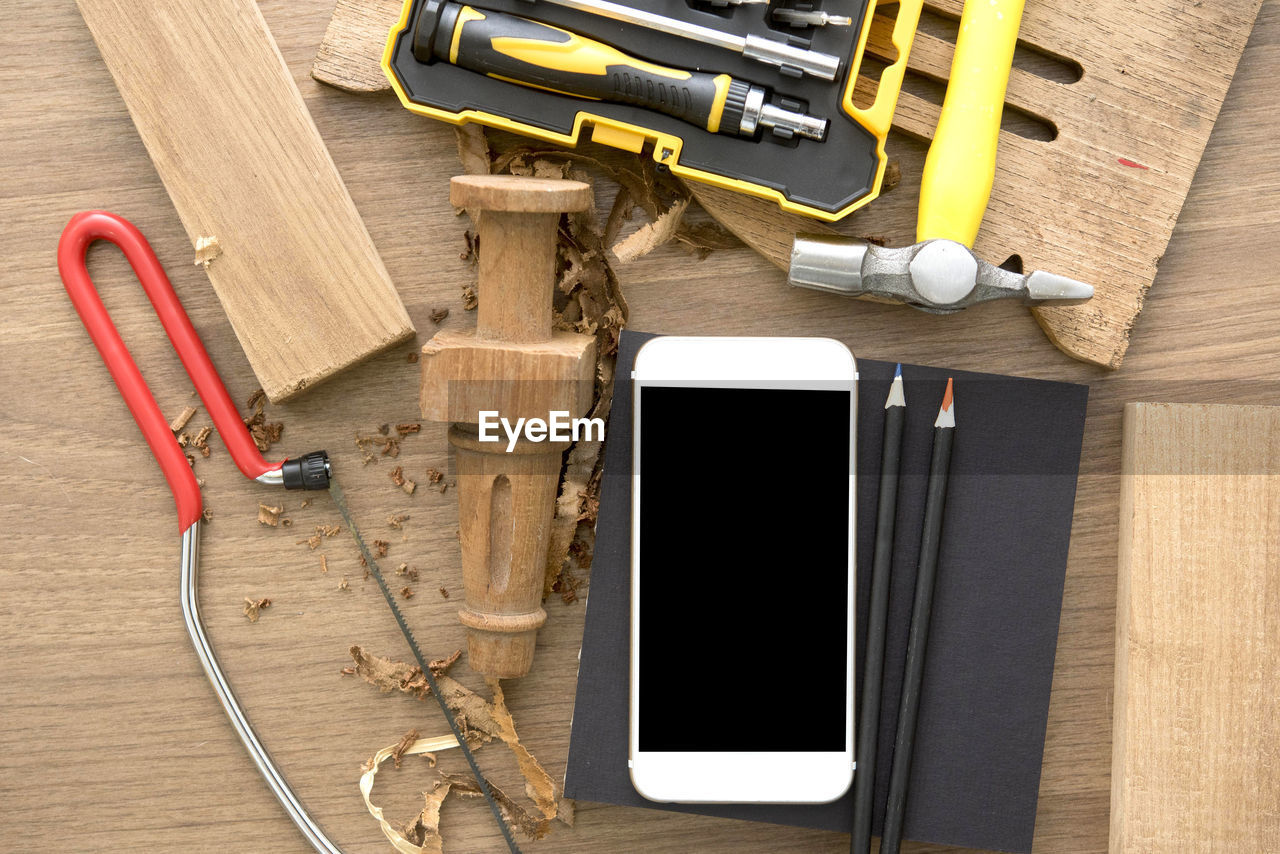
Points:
x=83, y=230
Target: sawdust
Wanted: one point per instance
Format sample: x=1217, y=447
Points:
x=181, y=419
x=201, y=441
x=398, y=478
x=207, y=249
x=264, y=433
x=254, y=607
x=269, y=516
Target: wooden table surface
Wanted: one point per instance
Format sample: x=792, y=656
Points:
x=110, y=738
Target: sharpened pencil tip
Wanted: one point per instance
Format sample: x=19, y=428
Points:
x=947, y=412
x=897, y=372
x=897, y=394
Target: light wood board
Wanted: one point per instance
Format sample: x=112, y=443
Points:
x=1098, y=202
x=110, y=737
x=241, y=158
x=1198, y=631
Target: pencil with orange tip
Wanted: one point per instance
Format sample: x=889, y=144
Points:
x=918, y=634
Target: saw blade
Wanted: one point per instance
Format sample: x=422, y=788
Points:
x=339, y=499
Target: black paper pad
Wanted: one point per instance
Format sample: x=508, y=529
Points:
x=985, y=701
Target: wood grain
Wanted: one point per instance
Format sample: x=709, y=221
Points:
x=1097, y=200
x=110, y=738
x=1197, y=651
x=231, y=138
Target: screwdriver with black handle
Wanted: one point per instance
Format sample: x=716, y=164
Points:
x=530, y=53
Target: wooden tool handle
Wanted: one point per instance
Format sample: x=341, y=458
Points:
x=516, y=364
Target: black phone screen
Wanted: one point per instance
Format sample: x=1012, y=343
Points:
x=744, y=524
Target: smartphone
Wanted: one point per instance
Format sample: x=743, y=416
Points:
x=742, y=570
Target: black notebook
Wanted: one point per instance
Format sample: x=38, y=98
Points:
x=980, y=738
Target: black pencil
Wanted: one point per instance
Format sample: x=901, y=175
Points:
x=918, y=634
x=864, y=780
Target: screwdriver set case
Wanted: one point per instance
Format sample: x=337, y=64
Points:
x=740, y=95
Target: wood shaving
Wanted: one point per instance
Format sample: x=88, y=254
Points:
x=343, y=585
x=269, y=516
x=444, y=592
x=434, y=475
x=264, y=433
x=253, y=607
x=410, y=738
x=380, y=548
x=397, y=521
x=425, y=829
x=539, y=785
x=181, y=419
x=651, y=236
x=206, y=515
x=470, y=298
x=406, y=592
x=438, y=315
x=324, y=564
x=413, y=357
x=391, y=447
x=201, y=441
x=407, y=429
x=207, y=249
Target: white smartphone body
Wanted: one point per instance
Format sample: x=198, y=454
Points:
x=742, y=570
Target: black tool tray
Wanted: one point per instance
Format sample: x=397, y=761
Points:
x=825, y=179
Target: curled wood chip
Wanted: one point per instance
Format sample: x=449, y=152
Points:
x=269, y=515
x=252, y=608
x=406, y=592
x=434, y=475
x=438, y=315
x=201, y=440
x=428, y=837
x=380, y=548
x=410, y=738
x=649, y=237
x=444, y=593
x=181, y=419
x=397, y=521
x=406, y=429
x=470, y=299
x=207, y=249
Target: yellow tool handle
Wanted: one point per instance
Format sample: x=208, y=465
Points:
x=961, y=165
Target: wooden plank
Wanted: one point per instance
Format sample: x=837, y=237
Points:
x=1197, y=646
x=1097, y=203
x=297, y=273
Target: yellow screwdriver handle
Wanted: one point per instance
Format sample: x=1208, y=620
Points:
x=961, y=165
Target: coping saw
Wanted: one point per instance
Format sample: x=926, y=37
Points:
x=311, y=471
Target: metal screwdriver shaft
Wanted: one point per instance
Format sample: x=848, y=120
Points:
x=763, y=50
